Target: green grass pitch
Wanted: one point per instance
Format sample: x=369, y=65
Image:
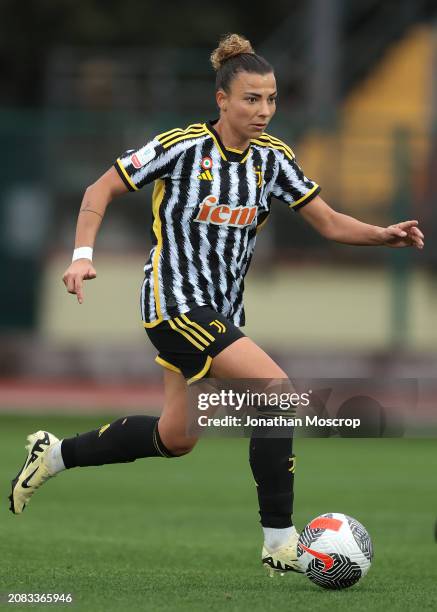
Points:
x=183, y=534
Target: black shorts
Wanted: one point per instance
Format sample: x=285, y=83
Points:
x=187, y=343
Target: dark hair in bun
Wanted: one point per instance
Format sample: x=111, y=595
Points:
x=233, y=55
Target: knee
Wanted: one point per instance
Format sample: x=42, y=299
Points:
x=174, y=439
x=181, y=446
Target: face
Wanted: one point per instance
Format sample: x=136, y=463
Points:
x=250, y=103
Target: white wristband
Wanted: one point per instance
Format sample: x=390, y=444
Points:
x=83, y=253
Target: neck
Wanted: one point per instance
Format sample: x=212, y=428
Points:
x=229, y=138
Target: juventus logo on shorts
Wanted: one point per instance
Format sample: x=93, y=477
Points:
x=220, y=327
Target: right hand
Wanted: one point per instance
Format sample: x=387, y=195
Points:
x=76, y=273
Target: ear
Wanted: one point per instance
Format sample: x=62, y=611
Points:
x=221, y=99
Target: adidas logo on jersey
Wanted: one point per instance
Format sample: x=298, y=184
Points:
x=205, y=176
x=223, y=214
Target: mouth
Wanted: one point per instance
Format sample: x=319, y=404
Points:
x=259, y=126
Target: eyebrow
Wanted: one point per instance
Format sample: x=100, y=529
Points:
x=257, y=95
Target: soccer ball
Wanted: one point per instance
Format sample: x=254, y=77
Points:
x=335, y=551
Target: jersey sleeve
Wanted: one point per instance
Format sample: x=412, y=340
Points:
x=146, y=164
x=291, y=185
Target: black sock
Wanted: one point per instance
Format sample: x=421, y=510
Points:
x=272, y=463
x=126, y=439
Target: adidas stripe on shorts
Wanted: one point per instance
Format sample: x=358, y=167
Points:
x=188, y=342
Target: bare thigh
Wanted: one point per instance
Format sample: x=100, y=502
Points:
x=173, y=422
x=245, y=359
x=242, y=359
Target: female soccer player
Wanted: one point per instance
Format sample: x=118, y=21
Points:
x=213, y=188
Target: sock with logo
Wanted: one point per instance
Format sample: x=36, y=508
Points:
x=273, y=464
x=124, y=440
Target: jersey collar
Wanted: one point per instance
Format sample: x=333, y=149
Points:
x=228, y=154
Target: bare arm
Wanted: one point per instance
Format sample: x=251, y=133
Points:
x=95, y=200
x=348, y=230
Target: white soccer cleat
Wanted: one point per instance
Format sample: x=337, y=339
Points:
x=34, y=472
x=282, y=559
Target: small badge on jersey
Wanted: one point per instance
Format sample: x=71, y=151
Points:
x=143, y=156
x=206, y=163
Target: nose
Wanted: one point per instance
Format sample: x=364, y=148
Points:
x=264, y=110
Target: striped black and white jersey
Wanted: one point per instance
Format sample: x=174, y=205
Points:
x=208, y=203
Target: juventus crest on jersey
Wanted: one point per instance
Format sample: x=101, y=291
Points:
x=208, y=203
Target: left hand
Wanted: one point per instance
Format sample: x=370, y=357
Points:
x=404, y=234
